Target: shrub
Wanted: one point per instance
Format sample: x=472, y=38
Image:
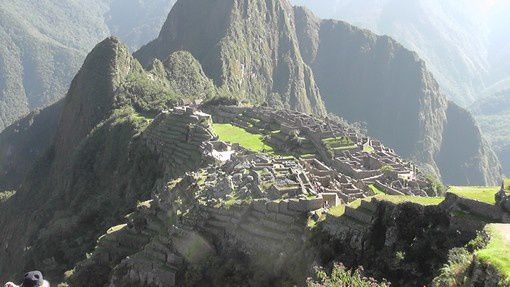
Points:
x=221, y=101
x=454, y=272
x=342, y=277
x=387, y=168
x=436, y=184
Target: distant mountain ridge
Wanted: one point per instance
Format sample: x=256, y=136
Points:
x=465, y=44
x=493, y=114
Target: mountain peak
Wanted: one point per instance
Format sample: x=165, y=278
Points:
x=91, y=95
x=248, y=48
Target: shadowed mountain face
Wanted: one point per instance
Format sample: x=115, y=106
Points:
x=465, y=45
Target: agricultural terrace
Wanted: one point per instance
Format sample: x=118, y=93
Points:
x=397, y=199
x=480, y=193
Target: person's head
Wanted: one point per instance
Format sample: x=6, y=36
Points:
x=33, y=279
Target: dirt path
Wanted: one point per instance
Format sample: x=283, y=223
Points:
x=504, y=229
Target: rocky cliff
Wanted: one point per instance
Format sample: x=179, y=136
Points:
x=373, y=79
x=249, y=48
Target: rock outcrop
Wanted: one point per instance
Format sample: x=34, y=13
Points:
x=373, y=79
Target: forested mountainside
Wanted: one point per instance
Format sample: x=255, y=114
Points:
x=43, y=43
x=126, y=159
x=248, y=48
x=464, y=44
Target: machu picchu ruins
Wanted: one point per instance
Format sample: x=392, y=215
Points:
x=231, y=199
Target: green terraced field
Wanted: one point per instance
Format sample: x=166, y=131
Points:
x=340, y=143
x=414, y=199
x=339, y=210
x=480, y=193
x=233, y=134
x=496, y=252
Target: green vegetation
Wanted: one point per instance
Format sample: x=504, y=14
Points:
x=437, y=186
x=368, y=148
x=507, y=184
x=414, y=199
x=339, y=143
x=338, y=211
x=341, y=276
x=387, y=168
x=480, y=193
x=453, y=273
x=375, y=189
x=233, y=134
x=5, y=195
x=496, y=252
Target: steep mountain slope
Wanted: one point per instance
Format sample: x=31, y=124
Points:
x=43, y=43
x=24, y=142
x=39, y=57
x=96, y=167
x=249, y=49
x=373, y=79
x=464, y=160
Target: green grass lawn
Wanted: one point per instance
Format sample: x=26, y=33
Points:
x=414, y=199
x=368, y=148
x=338, y=211
x=340, y=143
x=375, y=189
x=496, y=252
x=480, y=193
x=233, y=134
